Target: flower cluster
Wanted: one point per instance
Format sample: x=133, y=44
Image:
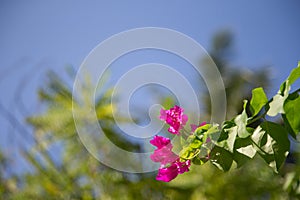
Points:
x=237, y=140
x=175, y=118
x=170, y=164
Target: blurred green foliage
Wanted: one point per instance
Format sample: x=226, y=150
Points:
x=70, y=172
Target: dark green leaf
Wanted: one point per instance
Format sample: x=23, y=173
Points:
x=244, y=146
x=292, y=113
x=240, y=159
x=278, y=145
x=288, y=126
x=221, y=158
x=198, y=160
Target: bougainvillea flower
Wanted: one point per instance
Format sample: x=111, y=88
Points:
x=194, y=126
x=163, y=153
x=167, y=174
x=174, y=117
x=170, y=165
x=164, y=156
x=160, y=141
x=183, y=166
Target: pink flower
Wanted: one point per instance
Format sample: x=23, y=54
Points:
x=175, y=118
x=167, y=174
x=170, y=164
x=160, y=141
x=183, y=166
x=163, y=153
x=194, y=126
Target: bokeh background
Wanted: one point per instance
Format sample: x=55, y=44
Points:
x=42, y=45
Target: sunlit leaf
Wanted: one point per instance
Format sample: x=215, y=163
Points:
x=241, y=122
x=276, y=105
x=187, y=153
x=258, y=100
x=196, y=144
x=228, y=136
x=201, y=130
x=294, y=75
x=245, y=147
x=279, y=144
x=213, y=133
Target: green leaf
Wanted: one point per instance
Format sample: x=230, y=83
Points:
x=187, y=153
x=292, y=116
x=201, y=130
x=276, y=105
x=294, y=75
x=244, y=146
x=271, y=141
x=193, y=142
x=221, y=158
x=262, y=141
x=198, y=161
x=213, y=133
x=240, y=159
x=241, y=122
x=258, y=100
x=228, y=136
x=196, y=144
x=190, y=139
x=199, y=145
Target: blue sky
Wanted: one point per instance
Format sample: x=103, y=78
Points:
x=36, y=36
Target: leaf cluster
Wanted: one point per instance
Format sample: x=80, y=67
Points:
x=238, y=141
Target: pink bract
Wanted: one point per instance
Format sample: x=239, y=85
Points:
x=167, y=174
x=164, y=156
x=163, y=153
x=174, y=117
x=160, y=141
x=170, y=165
x=183, y=166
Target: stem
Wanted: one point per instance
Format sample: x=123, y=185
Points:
x=257, y=146
x=257, y=118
